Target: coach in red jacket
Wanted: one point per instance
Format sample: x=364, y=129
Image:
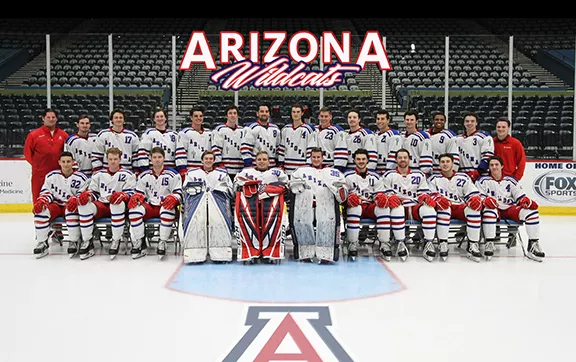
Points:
x=510, y=149
x=42, y=149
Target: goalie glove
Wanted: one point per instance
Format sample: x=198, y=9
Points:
x=250, y=188
x=266, y=191
x=194, y=187
x=298, y=185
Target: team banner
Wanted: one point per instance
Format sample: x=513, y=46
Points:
x=551, y=183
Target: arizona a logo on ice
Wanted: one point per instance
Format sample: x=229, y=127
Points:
x=279, y=333
x=273, y=70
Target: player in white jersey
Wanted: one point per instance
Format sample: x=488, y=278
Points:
x=107, y=196
x=388, y=142
x=119, y=137
x=193, y=141
x=298, y=138
x=366, y=199
x=409, y=196
x=207, y=220
x=260, y=136
x=327, y=137
x=417, y=143
x=260, y=218
x=227, y=139
x=456, y=197
x=159, y=136
x=356, y=137
x=80, y=144
x=475, y=148
x=58, y=199
x=442, y=141
x=504, y=198
x=317, y=192
x=157, y=195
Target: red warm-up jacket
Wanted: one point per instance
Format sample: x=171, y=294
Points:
x=513, y=155
x=42, y=150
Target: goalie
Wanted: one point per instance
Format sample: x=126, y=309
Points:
x=317, y=193
x=260, y=212
x=207, y=213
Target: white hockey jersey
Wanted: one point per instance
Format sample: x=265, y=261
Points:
x=127, y=141
x=217, y=179
x=81, y=149
x=320, y=179
x=418, y=144
x=295, y=146
x=59, y=188
x=507, y=191
x=191, y=145
x=260, y=138
x=327, y=139
x=167, y=140
x=156, y=188
x=365, y=187
x=474, y=150
x=361, y=138
x=458, y=188
x=104, y=183
x=443, y=142
x=226, y=144
x=387, y=143
x=272, y=175
x=407, y=187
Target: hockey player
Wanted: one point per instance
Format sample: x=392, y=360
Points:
x=298, y=138
x=80, y=144
x=159, y=136
x=442, y=141
x=207, y=213
x=107, y=196
x=504, y=198
x=409, y=196
x=226, y=143
x=417, y=143
x=157, y=195
x=193, y=141
x=388, y=141
x=475, y=148
x=260, y=136
x=366, y=199
x=356, y=137
x=317, y=192
x=58, y=198
x=456, y=197
x=260, y=218
x=327, y=135
x=119, y=137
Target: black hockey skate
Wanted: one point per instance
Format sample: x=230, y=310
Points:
x=139, y=249
x=86, y=249
x=41, y=249
x=473, y=252
x=534, y=252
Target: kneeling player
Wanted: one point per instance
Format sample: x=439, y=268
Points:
x=317, y=192
x=456, y=197
x=366, y=199
x=109, y=191
x=259, y=216
x=504, y=198
x=58, y=198
x=409, y=196
x=158, y=193
x=207, y=213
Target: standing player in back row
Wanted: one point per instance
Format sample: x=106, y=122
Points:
x=260, y=136
x=356, y=137
x=475, y=148
x=159, y=136
x=226, y=142
x=193, y=141
x=417, y=143
x=442, y=141
x=80, y=145
x=119, y=137
x=388, y=142
x=298, y=139
x=327, y=136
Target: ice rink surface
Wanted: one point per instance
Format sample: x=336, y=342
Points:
x=508, y=309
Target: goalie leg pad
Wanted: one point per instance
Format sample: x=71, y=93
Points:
x=274, y=221
x=246, y=226
x=195, y=241
x=327, y=226
x=301, y=216
x=219, y=227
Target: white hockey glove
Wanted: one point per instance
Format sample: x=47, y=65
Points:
x=298, y=185
x=194, y=188
x=266, y=191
